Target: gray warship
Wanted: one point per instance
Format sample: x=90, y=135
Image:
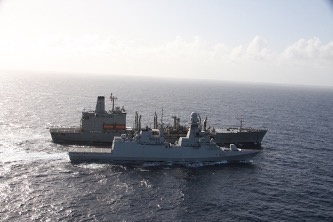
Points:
x=97, y=127
x=149, y=145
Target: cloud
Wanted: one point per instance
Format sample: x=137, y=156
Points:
x=301, y=62
x=309, y=49
x=258, y=48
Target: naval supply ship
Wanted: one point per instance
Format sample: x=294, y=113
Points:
x=149, y=145
x=98, y=126
x=240, y=136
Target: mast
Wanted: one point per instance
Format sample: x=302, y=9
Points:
x=241, y=125
x=136, y=121
x=113, y=98
x=155, y=121
x=139, y=124
x=161, y=126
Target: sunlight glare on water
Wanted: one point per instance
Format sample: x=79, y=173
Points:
x=290, y=180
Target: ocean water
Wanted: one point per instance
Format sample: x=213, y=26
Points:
x=290, y=180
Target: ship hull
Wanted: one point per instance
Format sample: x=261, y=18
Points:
x=221, y=138
x=77, y=136
x=248, y=139
x=160, y=153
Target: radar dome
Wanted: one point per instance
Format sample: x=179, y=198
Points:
x=194, y=117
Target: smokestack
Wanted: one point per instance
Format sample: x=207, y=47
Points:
x=100, y=105
x=174, y=122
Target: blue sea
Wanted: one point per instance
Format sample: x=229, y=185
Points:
x=290, y=180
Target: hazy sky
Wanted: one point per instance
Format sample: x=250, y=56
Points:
x=278, y=41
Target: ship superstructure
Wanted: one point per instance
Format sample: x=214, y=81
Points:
x=98, y=126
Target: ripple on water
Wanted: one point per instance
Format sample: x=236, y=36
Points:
x=289, y=181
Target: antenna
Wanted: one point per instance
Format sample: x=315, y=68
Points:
x=241, y=123
x=162, y=116
x=161, y=129
x=241, y=119
x=155, y=121
x=112, y=98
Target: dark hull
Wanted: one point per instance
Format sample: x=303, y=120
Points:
x=243, y=139
x=79, y=137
